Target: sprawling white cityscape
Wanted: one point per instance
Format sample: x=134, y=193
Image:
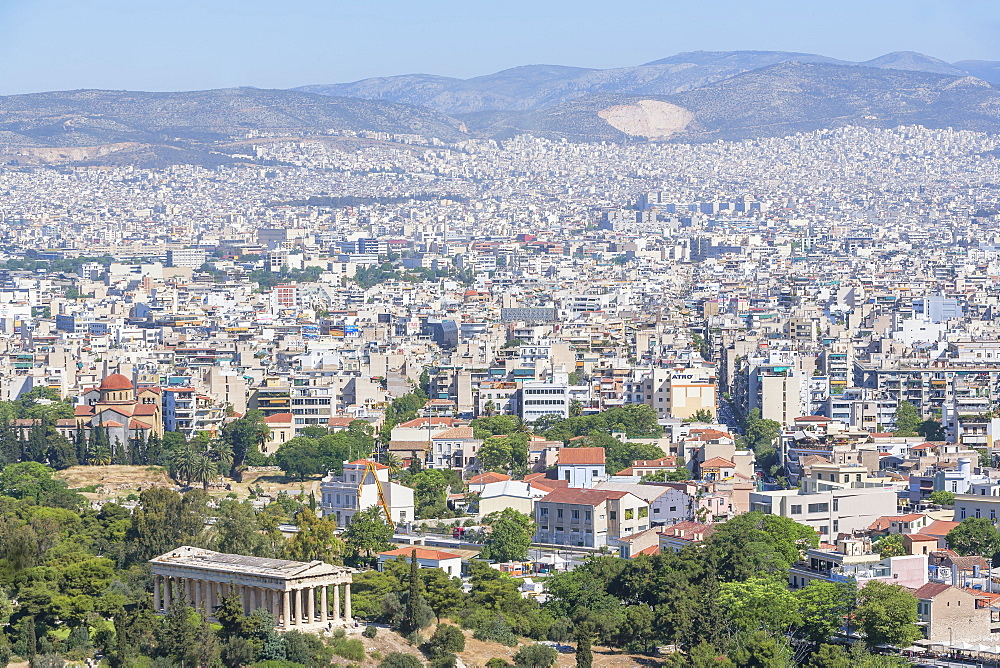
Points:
x=691, y=363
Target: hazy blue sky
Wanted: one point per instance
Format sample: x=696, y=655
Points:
x=183, y=44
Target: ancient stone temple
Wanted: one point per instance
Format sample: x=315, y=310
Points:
x=301, y=595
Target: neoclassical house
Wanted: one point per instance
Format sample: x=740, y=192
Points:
x=301, y=595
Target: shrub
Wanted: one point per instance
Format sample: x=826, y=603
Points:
x=496, y=630
x=370, y=631
x=351, y=649
x=497, y=662
x=447, y=639
x=400, y=660
x=415, y=639
x=444, y=661
x=536, y=656
x=305, y=648
x=561, y=630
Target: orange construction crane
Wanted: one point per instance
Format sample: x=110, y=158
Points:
x=370, y=468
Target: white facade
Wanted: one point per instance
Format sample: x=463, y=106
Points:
x=830, y=512
x=339, y=494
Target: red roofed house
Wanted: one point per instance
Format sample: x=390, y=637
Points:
x=426, y=558
x=717, y=468
x=476, y=483
x=939, y=529
x=581, y=467
x=918, y=543
x=589, y=517
x=680, y=535
x=454, y=448
x=949, y=615
x=643, y=467
x=282, y=429
x=644, y=542
x=899, y=524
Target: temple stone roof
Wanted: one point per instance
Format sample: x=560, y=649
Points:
x=196, y=557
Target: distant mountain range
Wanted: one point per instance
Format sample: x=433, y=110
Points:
x=166, y=128
x=687, y=97
x=539, y=86
x=772, y=101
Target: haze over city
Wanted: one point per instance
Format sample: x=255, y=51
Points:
x=188, y=45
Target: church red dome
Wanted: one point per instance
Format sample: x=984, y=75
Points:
x=115, y=382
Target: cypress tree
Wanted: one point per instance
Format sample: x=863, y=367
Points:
x=584, y=657
x=414, y=599
x=80, y=443
x=28, y=636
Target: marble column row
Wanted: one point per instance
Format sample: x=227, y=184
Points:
x=290, y=608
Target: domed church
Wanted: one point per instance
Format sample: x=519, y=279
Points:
x=123, y=411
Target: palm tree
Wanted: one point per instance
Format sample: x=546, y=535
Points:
x=101, y=455
x=204, y=470
x=183, y=460
x=221, y=452
x=394, y=463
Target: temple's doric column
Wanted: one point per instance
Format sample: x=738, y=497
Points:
x=196, y=585
x=324, y=604
x=156, y=593
x=167, y=594
x=311, y=599
x=336, y=602
x=347, y=604
x=285, y=616
x=297, y=595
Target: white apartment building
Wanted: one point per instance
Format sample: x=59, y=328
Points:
x=831, y=512
x=589, y=517
x=340, y=498
x=545, y=397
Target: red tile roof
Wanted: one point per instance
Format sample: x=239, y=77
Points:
x=718, y=462
x=422, y=553
x=422, y=422
x=931, y=589
x=919, y=537
x=279, y=418
x=669, y=462
x=365, y=462
x=709, y=434
x=939, y=528
x=581, y=497
x=581, y=456
x=115, y=382
x=488, y=477
x=454, y=433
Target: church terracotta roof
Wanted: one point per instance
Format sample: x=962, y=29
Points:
x=115, y=382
